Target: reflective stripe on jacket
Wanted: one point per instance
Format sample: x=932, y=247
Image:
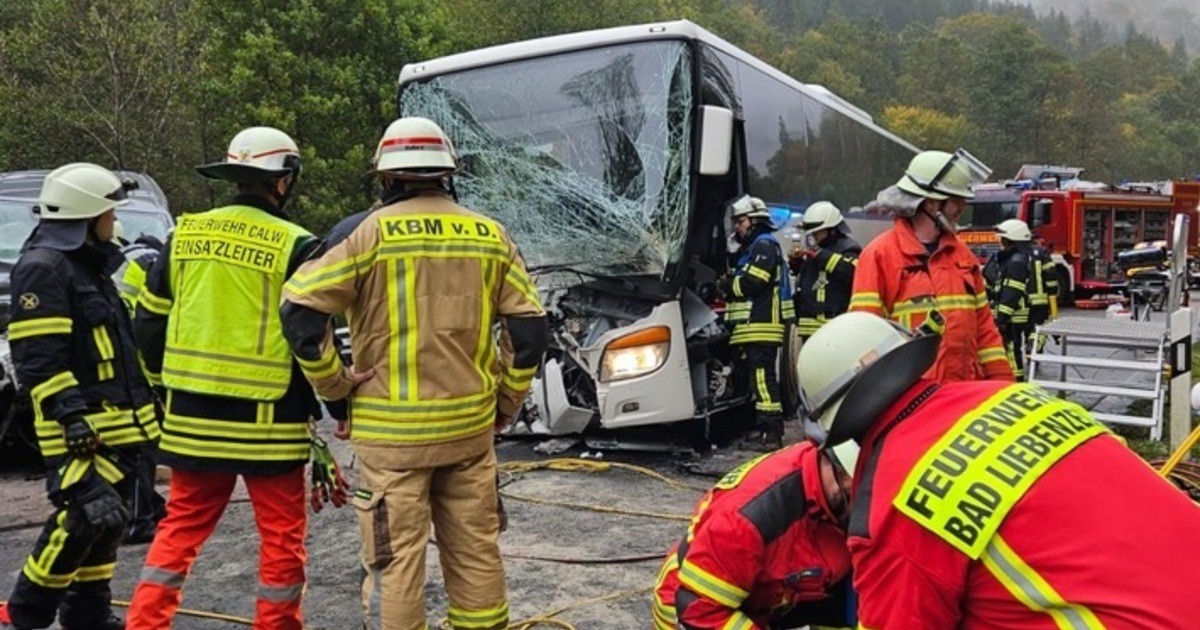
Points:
x=73, y=348
x=898, y=279
x=987, y=505
x=422, y=282
x=209, y=321
x=824, y=283
x=228, y=267
x=1010, y=285
x=760, y=543
x=760, y=305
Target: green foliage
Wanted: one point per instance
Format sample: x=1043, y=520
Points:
x=161, y=85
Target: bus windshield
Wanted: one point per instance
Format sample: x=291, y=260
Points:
x=584, y=156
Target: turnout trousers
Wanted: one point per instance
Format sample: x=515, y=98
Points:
x=194, y=506
x=760, y=361
x=1015, y=341
x=395, y=509
x=70, y=567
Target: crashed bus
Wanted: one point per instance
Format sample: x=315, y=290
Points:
x=610, y=156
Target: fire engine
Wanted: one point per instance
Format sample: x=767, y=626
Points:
x=1084, y=225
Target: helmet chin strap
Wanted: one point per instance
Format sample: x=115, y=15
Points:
x=939, y=218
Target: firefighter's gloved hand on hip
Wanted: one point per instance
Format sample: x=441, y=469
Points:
x=80, y=437
x=328, y=485
x=101, y=505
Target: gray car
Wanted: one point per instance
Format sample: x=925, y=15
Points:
x=146, y=214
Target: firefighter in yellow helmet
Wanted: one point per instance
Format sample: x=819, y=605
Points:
x=423, y=282
x=73, y=349
x=237, y=403
x=919, y=267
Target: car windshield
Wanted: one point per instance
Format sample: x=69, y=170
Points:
x=583, y=156
x=17, y=221
x=985, y=215
x=137, y=223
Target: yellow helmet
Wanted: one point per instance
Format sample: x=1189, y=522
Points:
x=855, y=366
x=939, y=175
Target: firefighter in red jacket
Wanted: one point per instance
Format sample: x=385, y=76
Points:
x=988, y=504
x=920, y=266
x=766, y=548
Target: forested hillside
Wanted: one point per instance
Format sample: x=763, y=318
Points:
x=160, y=85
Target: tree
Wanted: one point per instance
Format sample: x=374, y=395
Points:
x=325, y=72
x=927, y=127
x=104, y=80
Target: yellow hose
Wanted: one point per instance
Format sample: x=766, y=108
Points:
x=1180, y=453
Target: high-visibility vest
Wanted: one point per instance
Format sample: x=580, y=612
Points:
x=227, y=269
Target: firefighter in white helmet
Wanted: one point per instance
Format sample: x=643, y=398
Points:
x=824, y=266
x=759, y=308
x=920, y=266
x=1011, y=283
x=423, y=427
x=73, y=348
x=237, y=404
x=954, y=486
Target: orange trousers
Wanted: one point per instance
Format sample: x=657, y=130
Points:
x=195, y=505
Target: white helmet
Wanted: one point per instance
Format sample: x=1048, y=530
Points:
x=256, y=154
x=1015, y=230
x=855, y=366
x=749, y=207
x=415, y=148
x=939, y=175
x=823, y=215
x=79, y=191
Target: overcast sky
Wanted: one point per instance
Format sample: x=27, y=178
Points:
x=1165, y=19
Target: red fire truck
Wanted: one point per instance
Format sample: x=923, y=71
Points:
x=1084, y=225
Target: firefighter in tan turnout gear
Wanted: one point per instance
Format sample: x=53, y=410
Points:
x=422, y=281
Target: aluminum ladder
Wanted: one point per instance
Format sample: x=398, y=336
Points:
x=1137, y=336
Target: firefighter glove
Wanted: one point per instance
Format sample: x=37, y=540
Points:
x=328, y=485
x=102, y=506
x=80, y=437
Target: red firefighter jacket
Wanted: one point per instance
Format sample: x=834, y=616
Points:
x=898, y=279
x=762, y=541
x=988, y=505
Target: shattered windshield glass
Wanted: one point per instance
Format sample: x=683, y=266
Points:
x=583, y=156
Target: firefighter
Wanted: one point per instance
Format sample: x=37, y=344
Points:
x=760, y=307
x=72, y=345
x=149, y=507
x=920, y=266
x=824, y=267
x=989, y=504
x=766, y=548
x=1043, y=304
x=423, y=282
x=237, y=403
x=1011, y=282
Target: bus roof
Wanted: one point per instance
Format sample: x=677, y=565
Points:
x=681, y=29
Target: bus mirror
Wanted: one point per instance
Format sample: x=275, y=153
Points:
x=716, y=140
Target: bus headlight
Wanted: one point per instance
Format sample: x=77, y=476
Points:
x=635, y=354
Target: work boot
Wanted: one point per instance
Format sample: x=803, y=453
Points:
x=761, y=442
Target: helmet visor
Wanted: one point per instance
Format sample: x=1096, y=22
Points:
x=962, y=162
